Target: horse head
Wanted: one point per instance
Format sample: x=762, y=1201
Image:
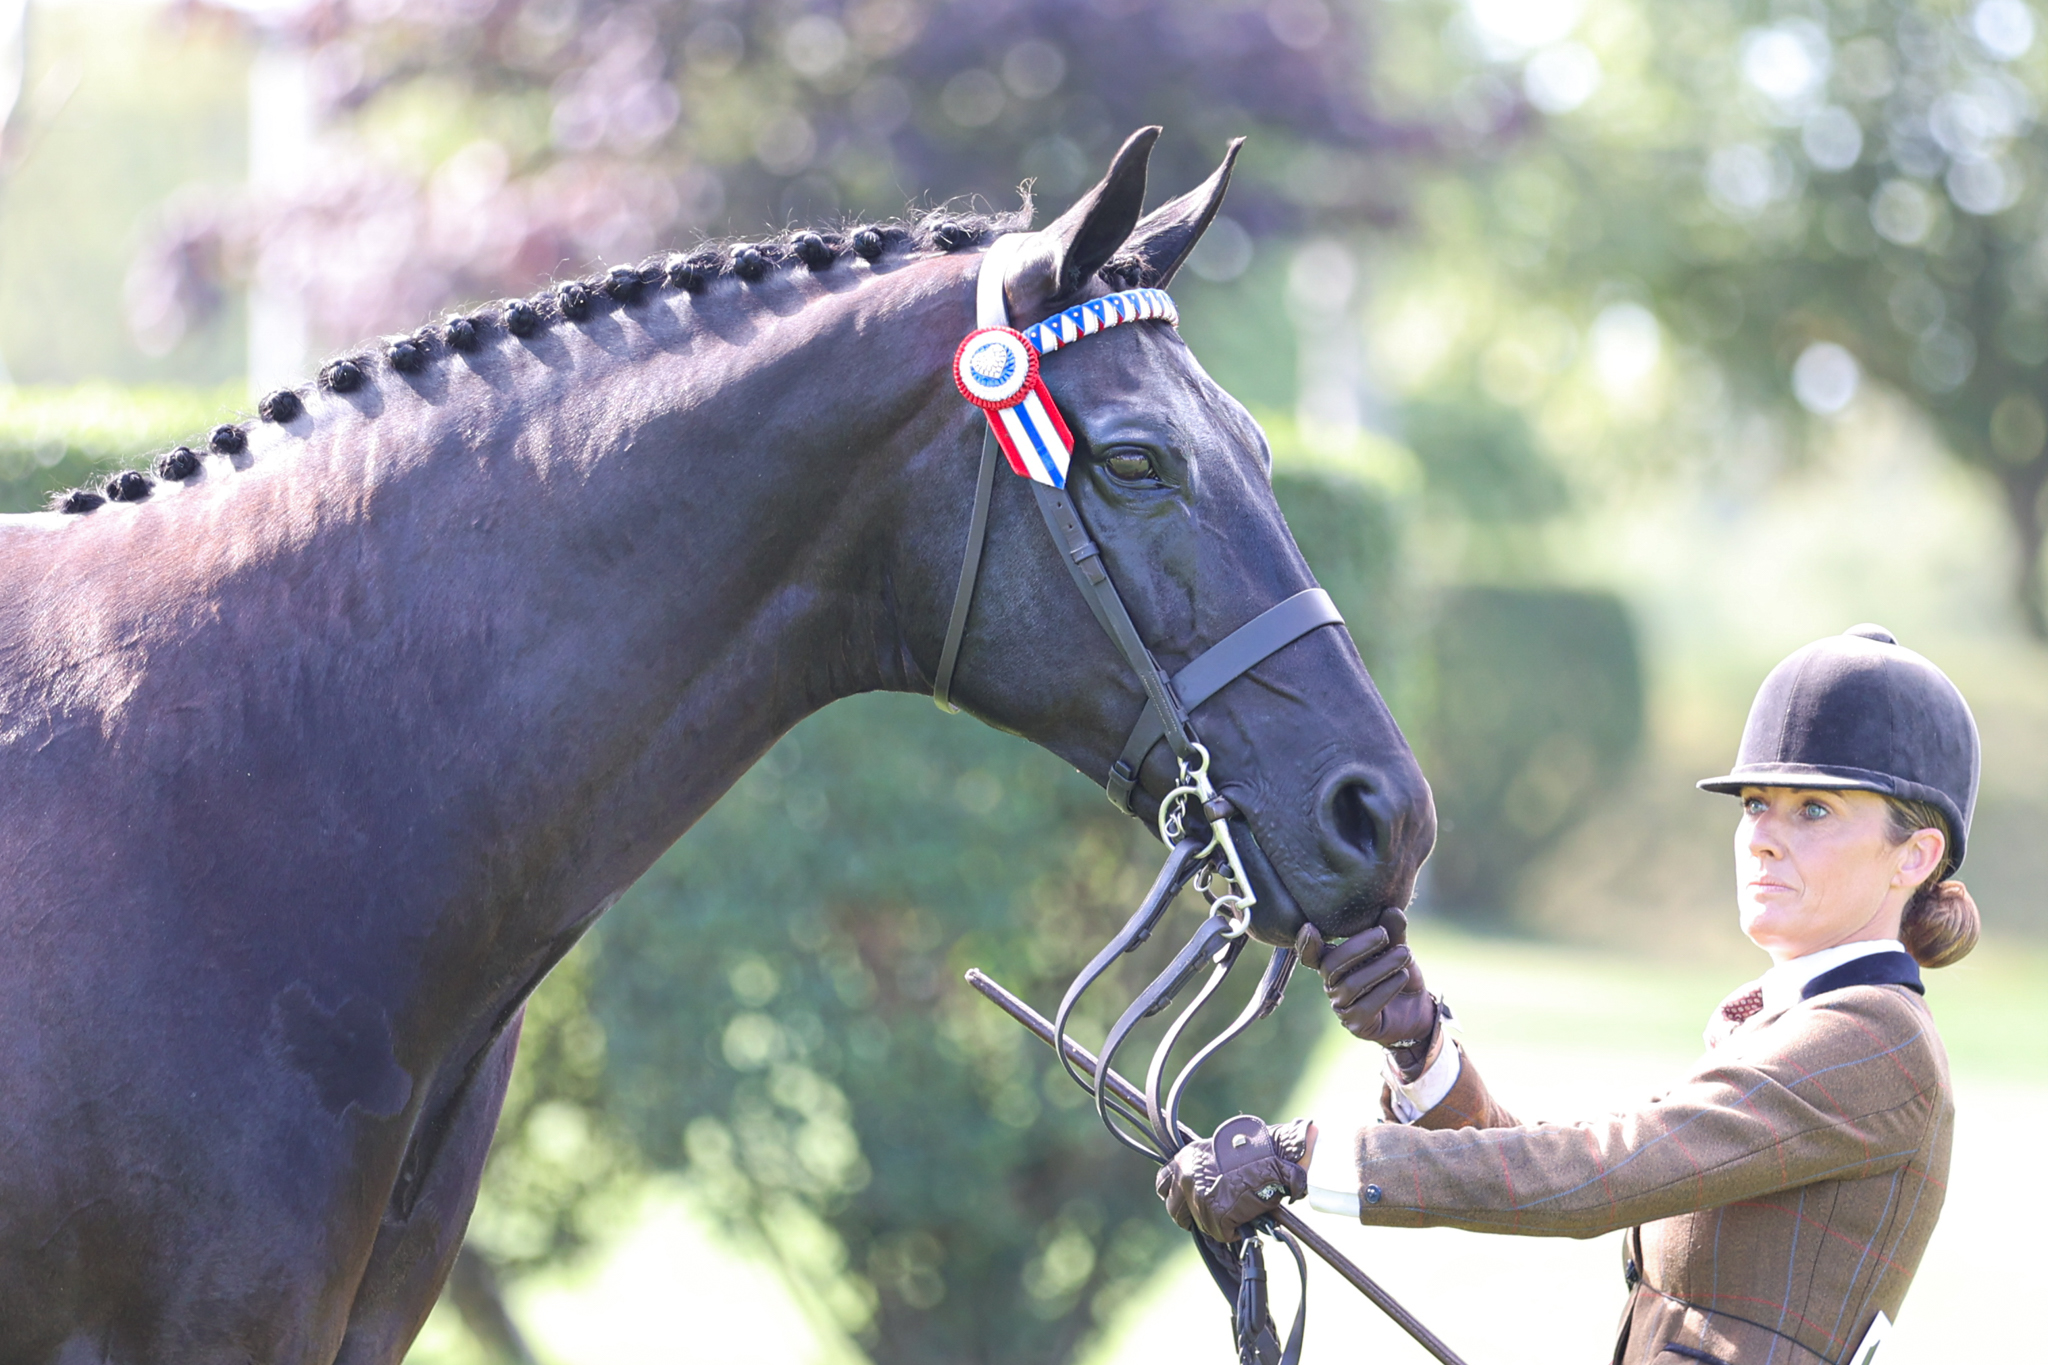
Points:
x=1171, y=478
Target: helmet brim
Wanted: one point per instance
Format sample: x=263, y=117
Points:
x=1813, y=776
x=1819, y=777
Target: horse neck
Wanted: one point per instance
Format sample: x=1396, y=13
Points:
x=537, y=614
x=698, y=561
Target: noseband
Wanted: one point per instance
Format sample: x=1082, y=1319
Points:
x=997, y=370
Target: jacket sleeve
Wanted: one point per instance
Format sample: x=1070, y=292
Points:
x=1469, y=1104
x=1837, y=1088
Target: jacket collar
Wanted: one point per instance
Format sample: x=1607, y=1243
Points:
x=1889, y=968
x=1786, y=984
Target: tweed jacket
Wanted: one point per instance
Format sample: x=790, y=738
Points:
x=1779, y=1197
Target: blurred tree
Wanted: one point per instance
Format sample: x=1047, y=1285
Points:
x=777, y=1011
x=1737, y=209
x=476, y=147
x=116, y=114
x=1481, y=462
x=1894, y=190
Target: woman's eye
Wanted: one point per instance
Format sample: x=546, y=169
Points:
x=1754, y=805
x=1129, y=466
x=1814, y=810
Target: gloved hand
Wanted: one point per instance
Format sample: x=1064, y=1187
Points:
x=1232, y=1178
x=1375, y=986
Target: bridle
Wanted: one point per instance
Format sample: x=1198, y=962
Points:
x=997, y=369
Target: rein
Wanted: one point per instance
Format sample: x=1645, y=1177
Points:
x=997, y=370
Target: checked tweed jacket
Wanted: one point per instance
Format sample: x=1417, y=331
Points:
x=1779, y=1197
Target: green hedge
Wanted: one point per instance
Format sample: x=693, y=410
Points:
x=1536, y=699
x=54, y=437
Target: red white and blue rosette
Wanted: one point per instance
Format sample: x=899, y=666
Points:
x=993, y=367
x=996, y=369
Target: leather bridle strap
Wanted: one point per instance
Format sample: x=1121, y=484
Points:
x=1211, y=943
x=1084, y=562
x=1265, y=998
x=970, y=570
x=1223, y=663
x=1173, y=875
x=1083, y=558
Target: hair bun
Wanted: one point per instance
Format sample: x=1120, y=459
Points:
x=1940, y=925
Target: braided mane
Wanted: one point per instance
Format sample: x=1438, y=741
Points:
x=569, y=302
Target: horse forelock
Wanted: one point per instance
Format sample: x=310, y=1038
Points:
x=722, y=269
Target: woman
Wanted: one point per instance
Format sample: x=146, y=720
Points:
x=1780, y=1196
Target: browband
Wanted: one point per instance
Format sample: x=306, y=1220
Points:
x=1086, y=319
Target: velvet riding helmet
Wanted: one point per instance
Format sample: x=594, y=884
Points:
x=1861, y=712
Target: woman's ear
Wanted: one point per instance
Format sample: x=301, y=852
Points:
x=1920, y=857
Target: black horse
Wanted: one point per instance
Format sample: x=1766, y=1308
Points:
x=320, y=747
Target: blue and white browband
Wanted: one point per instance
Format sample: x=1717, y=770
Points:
x=1086, y=319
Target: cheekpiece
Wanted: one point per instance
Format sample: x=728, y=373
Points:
x=996, y=369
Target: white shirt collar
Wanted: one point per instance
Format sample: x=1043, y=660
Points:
x=1782, y=984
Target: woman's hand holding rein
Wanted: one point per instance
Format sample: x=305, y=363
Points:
x=1375, y=987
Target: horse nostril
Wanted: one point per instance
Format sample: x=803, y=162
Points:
x=1351, y=817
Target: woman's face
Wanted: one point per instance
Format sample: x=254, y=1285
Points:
x=1814, y=869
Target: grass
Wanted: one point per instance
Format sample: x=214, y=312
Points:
x=1562, y=1031
x=1992, y=1008
x=58, y=436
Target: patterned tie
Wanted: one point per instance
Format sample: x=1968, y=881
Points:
x=1743, y=1006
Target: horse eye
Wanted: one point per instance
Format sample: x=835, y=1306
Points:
x=1129, y=466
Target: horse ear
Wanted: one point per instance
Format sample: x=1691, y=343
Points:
x=1060, y=259
x=1167, y=235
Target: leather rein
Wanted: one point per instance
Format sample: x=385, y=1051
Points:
x=1208, y=861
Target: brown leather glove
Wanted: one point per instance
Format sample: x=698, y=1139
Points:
x=1375, y=986
x=1234, y=1177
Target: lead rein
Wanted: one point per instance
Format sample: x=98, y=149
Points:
x=1264, y=1000
x=1072, y=1055
x=1180, y=865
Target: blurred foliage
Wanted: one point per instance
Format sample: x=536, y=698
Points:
x=559, y=1174
x=1480, y=461
x=58, y=437
x=1346, y=529
x=1734, y=215
x=121, y=121
x=777, y=1011
x=473, y=147
x=1537, y=708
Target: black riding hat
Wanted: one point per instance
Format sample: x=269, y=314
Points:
x=1861, y=712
